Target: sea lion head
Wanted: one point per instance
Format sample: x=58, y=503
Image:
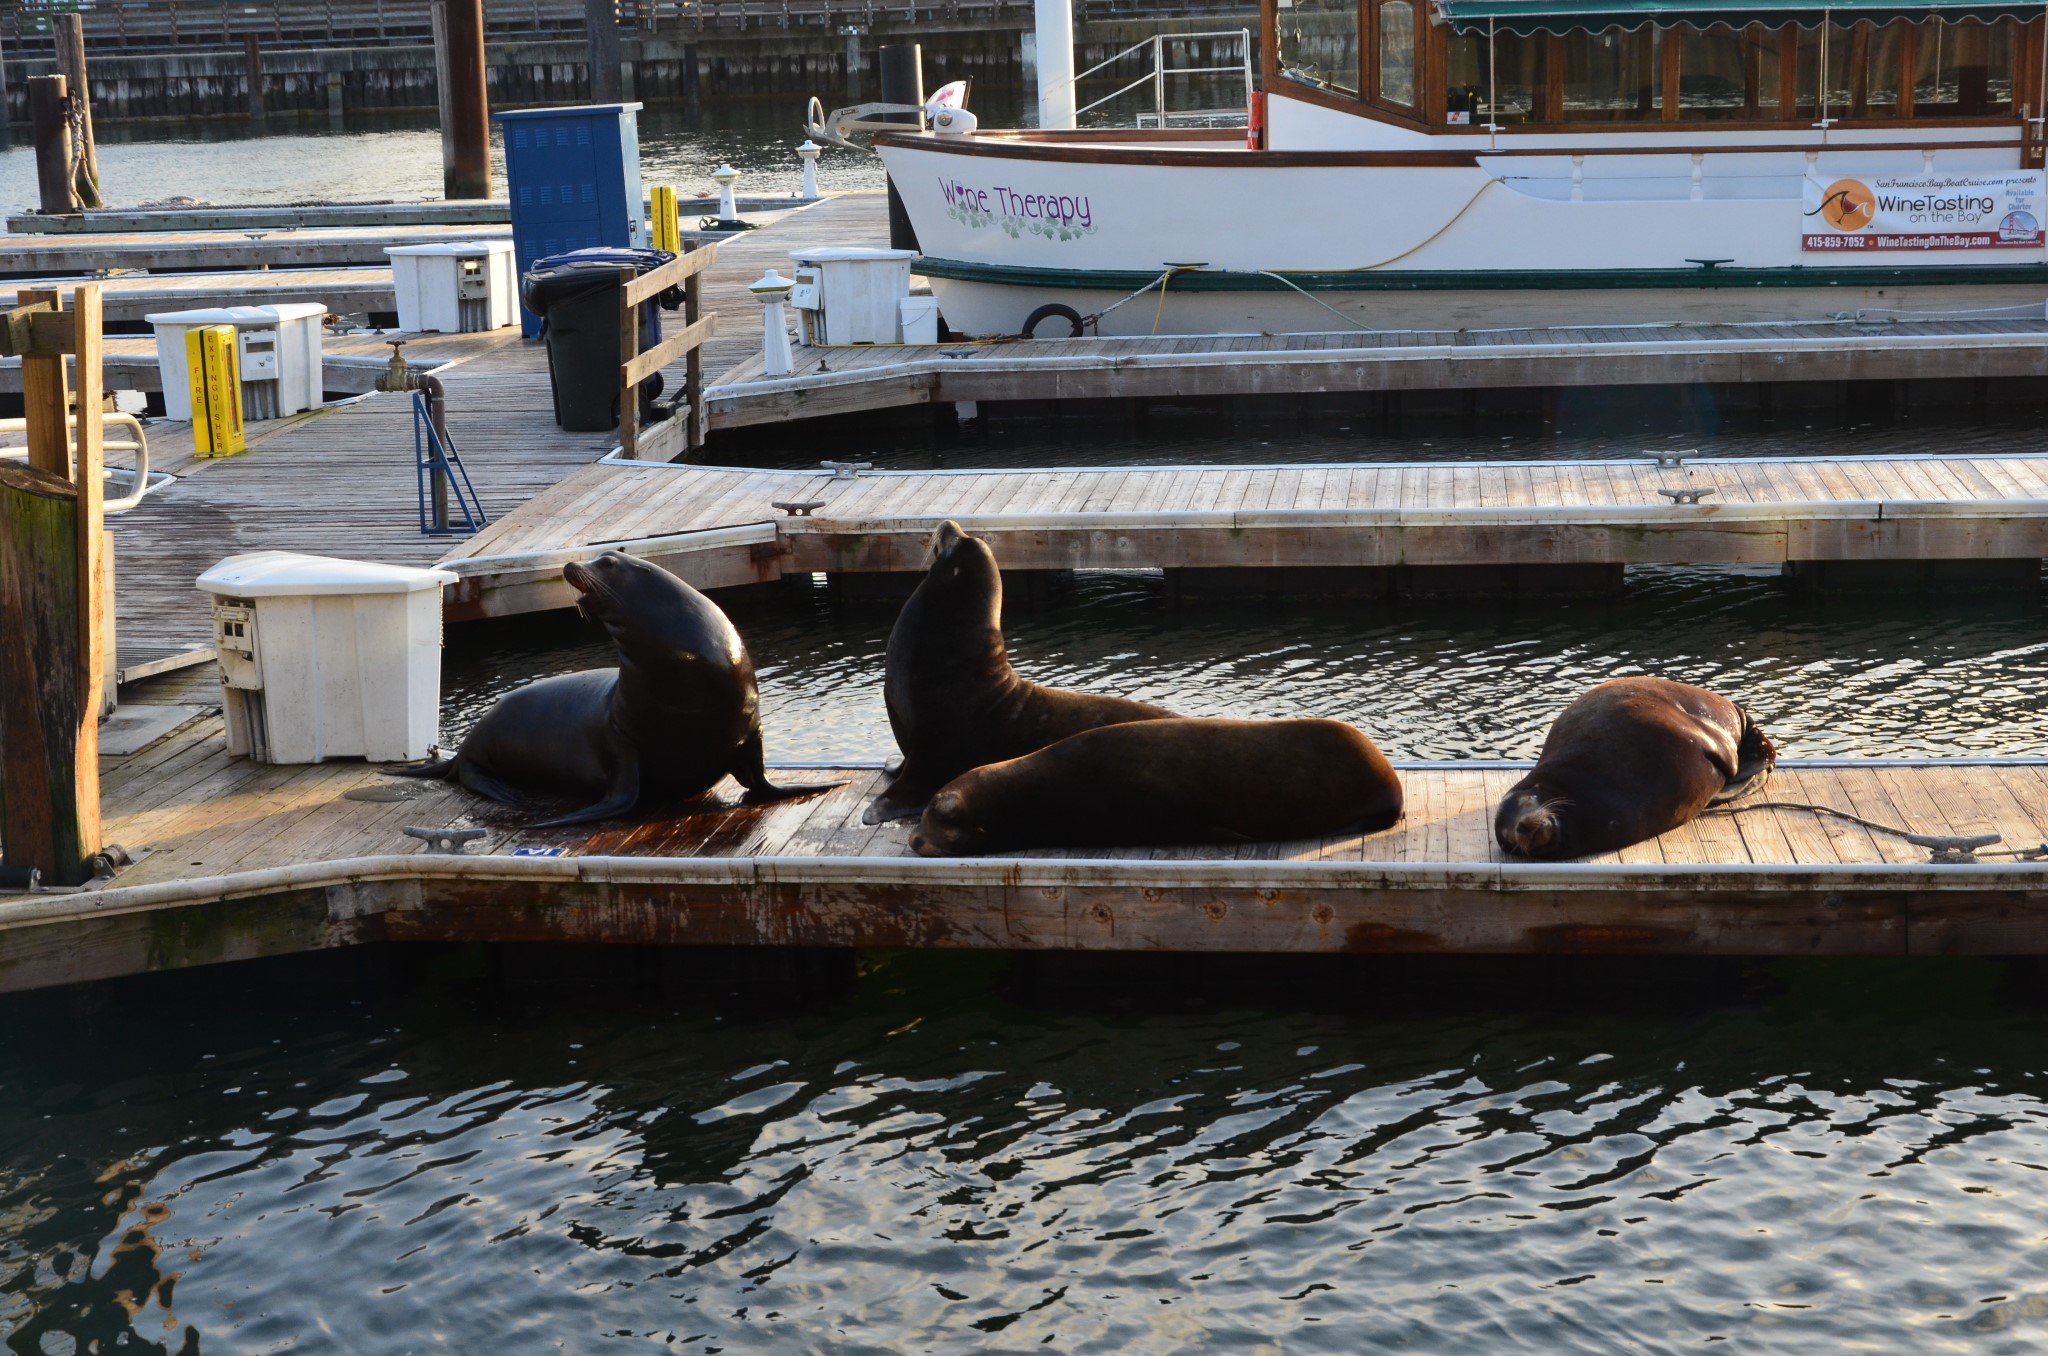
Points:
x=949, y=828
x=1528, y=825
x=654, y=618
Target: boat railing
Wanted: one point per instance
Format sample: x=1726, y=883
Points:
x=1157, y=76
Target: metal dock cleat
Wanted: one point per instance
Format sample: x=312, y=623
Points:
x=1686, y=496
x=1952, y=849
x=1671, y=461
x=444, y=842
x=797, y=508
x=846, y=470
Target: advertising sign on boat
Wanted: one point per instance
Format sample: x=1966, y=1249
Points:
x=1995, y=211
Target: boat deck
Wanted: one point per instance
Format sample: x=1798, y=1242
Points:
x=240, y=859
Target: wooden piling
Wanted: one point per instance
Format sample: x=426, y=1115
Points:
x=466, y=117
x=601, y=17
x=70, y=35
x=6, y=118
x=252, y=56
x=45, y=395
x=49, y=117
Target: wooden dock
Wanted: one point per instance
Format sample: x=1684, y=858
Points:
x=255, y=248
x=718, y=525
x=349, y=363
x=129, y=297
x=852, y=380
x=239, y=860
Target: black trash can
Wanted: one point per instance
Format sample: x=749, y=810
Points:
x=576, y=295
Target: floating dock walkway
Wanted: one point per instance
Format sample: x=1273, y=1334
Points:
x=246, y=860
x=860, y=379
x=718, y=526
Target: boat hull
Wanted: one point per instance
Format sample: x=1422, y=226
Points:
x=1417, y=241
x=978, y=301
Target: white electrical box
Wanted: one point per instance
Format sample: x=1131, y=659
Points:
x=455, y=288
x=323, y=658
x=279, y=347
x=846, y=295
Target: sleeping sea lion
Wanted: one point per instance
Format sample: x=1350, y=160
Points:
x=1157, y=782
x=1632, y=758
x=954, y=701
x=679, y=712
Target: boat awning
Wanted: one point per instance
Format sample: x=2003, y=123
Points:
x=1560, y=16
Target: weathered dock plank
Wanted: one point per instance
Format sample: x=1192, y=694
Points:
x=242, y=860
x=131, y=297
x=838, y=381
x=718, y=526
x=282, y=247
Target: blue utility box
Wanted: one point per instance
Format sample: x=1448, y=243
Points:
x=573, y=175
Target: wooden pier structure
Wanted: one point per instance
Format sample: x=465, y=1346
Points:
x=245, y=860
x=238, y=859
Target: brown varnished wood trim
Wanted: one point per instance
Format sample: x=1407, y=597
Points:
x=1003, y=149
x=1083, y=136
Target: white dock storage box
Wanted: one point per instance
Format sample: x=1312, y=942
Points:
x=279, y=347
x=323, y=658
x=848, y=295
x=455, y=288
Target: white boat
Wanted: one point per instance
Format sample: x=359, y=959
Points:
x=1491, y=163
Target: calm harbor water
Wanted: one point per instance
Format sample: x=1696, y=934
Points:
x=950, y=1154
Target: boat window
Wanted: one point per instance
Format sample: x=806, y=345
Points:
x=1614, y=75
x=1962, y=70
x=1395, y=38
x=1875, y=56
x=1718, y=75
x=1505, y=90
x=1318, y=43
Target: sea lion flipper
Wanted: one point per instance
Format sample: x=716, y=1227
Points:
x=622, y=795
x=750, y=769
x=439, y=769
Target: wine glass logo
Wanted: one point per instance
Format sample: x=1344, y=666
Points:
x=1847, y=205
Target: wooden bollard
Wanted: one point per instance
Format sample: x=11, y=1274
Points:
x=48, y=820
x=69, y=31
x=49, y=113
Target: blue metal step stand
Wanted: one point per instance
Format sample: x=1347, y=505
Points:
x=433, y=457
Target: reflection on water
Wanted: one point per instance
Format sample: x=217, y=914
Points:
x=1833, y=675
x=1853, y=1159
x=399, y=156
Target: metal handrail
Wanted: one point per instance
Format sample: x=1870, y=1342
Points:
x=1160, y=70
x=138, y=444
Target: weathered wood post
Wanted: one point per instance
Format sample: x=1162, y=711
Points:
x=252, y=59
x=51, y=606
x=85, y=153
x=50, y=120
x=466, y=117
x=6, y=117
x=601, y=19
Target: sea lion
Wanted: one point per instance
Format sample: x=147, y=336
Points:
x=1632, y=758
x=954, y=701
x=678, y=713
x=1175, y=780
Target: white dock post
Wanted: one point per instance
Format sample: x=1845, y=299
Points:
x=725, y=176
x=773, y=289
x=1055, y=25
x=810, y=151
